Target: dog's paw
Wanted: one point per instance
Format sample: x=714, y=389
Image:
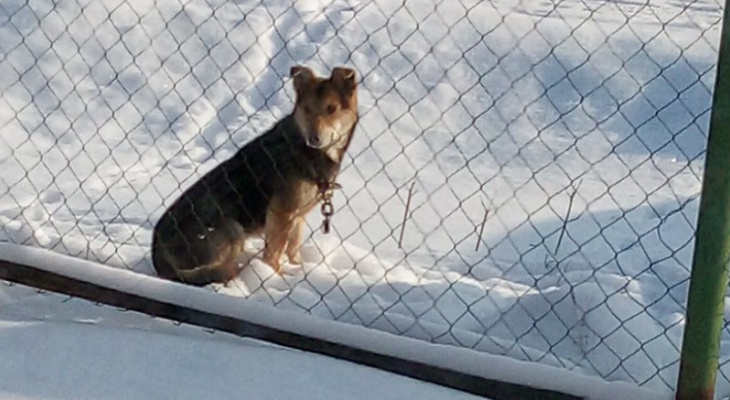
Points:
x=295, y=258
x=288, y=270
x=273, y=262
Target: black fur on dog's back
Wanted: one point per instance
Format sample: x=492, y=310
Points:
x=232, y=199
x=267, y=187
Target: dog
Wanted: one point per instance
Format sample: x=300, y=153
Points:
x=266, y=188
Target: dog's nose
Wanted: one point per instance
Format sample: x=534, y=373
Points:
x=314, y=141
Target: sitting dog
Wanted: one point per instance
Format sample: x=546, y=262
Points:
x=267, y=187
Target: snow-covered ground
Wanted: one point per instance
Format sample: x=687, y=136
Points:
x=108, y=109
x=53, y=349
x=22, y=304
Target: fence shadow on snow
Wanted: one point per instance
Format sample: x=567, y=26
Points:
x=579, y=126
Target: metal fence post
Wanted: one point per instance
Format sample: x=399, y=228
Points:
x=708, y=281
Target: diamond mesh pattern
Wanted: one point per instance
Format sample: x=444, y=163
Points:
x=579, y=126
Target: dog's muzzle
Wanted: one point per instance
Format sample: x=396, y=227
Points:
x=315, y=142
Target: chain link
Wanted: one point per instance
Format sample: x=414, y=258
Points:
x=562, y=140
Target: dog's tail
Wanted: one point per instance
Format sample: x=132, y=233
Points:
x=174, y=260
x=166, y=266
x=206, y=274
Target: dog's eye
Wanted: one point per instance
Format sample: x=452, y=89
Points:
x=331, y=109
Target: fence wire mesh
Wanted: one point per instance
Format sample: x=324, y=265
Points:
x=551, y=153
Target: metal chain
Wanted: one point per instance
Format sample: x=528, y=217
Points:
x=327, y=208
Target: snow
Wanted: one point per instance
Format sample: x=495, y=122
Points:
x=54, y=358
x=109, y=109
x=451, y=357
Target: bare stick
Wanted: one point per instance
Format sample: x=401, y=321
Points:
x=567, y=216
x=484, y=222
x=405, y=214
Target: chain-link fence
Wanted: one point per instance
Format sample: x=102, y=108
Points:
x=550, y=154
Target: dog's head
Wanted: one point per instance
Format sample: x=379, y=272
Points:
x=326, y=108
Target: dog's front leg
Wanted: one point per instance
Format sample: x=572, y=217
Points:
x=278, y=226
x=294, y=243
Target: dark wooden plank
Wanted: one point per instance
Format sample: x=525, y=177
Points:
x=489, y=388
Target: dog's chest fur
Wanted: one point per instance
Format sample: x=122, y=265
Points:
x=304, y=197
x=278, y=169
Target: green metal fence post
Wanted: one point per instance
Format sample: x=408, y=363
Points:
x=708, y=282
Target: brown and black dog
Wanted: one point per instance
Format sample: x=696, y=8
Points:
x=267, y=187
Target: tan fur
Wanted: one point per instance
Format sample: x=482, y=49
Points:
x=268, y=187
x=285, y=222
x=330, y=117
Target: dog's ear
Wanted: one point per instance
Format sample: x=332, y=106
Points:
x=344, y=78
x=302, y=77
